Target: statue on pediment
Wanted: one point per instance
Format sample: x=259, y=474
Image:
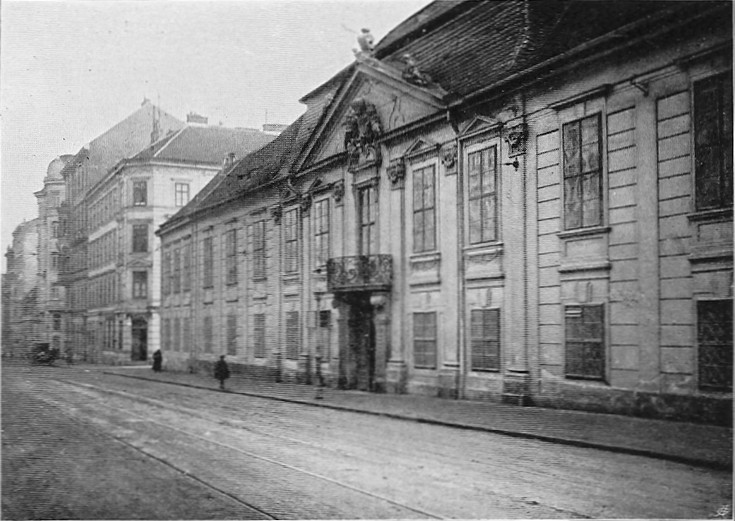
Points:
x=366, y=42
x=412, y=74
x=362, y=130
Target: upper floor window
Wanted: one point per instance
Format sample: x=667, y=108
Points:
x=176, y=284
x=582, y=173
x=713, y=142
x=424, y=209
x=231, y=257
x=140, y=193
x=166, y=272
x=181, y=193
x=259, y=271
x=291, y=241
x=208, y=262
x=367, y=208
x=54, y=229
x=482, y=197
x=140, y=238
x=186, y=273
x=57, y=322
x=321, y=232
x=54, y=261
x=140, y=284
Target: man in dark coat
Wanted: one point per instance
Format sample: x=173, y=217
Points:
x=221, y=372
x=157, y=361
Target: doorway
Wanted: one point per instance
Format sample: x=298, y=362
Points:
x=140, y=340
x=358, y=357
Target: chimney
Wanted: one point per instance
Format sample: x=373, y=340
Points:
x=193, y=118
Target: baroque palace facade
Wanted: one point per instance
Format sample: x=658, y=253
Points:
x=485, y=205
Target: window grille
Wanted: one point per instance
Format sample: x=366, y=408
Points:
x=485, y=339
x=259, y=335
x=585, y=345
x=582, y=173
x=714, y=340
x=482, y=196
x=713, y=142
x=424, y=340
x=293, y=332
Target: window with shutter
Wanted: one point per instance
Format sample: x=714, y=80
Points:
x=485, y=340
x=582, y=173
x=714, y=341
x=424, y=340
x=293, y=340
x=713, y=142
x=584, y=341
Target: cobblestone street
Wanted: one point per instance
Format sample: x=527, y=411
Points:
x=78, y=443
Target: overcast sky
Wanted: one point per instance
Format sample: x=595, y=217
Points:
x=73, y=69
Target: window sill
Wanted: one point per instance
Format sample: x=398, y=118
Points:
x=585, y=266
x=260, y=279
x=582, y=232
x=719, y=214
x=425, y=256
x=484, y=247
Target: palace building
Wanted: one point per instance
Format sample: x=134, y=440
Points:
x=485, y=205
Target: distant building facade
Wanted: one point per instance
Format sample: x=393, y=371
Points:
x=538, y=213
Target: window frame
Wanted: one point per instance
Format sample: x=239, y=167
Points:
x=472, y=339
x=292, y=319
x=137, y=285
x=179, y=194
x=230, y=261
x=600, y=113
x=231, y=328
x=371, y=225
x=137, y=199
x=707, y=387
x=468, y=150
x=420, y=171
x=290, y=227
x=259, y=341
x=321, y=213
x=721, y=78
x=208, y=262
x=424, y=339
x=136, y=246
x=602, y=340
x=260, y=271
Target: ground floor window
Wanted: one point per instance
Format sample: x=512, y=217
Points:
x=424, y=340
x=485, y=340
x=207, y=334
x=232, y=334
x=292, y=335
x=714, y=340
x=584, y=341
x=177, y=334
x=167, y=334
x=259, y=335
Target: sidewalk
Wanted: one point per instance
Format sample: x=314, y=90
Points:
x=701, y=445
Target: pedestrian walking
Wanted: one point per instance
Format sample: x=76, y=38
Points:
x=221, y=372
x=157, y=361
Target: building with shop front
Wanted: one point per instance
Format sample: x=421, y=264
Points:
x=487, y=205
x=125, y=208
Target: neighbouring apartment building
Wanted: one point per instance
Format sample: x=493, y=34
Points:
x=124, y=209
x=504, y=200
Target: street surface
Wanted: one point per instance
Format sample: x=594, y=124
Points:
x=79, y=444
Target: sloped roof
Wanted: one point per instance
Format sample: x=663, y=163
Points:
x=210, y=144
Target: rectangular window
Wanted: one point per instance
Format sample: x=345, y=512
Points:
x=584, y=341
x=482, y=194
x=293, y=334
x=207, y=334
x=424, y=340
x=582, y=173
x=140, y=193
x=485, y=339
x=321, y=232
x=713, y=142
x=140, y=238
x=186, y=273
x=232, y=334
x=54, y=230
x=424, y=210
x=291, y=241
x=231, y=257
x=54, y=261
x=140, y=284
x=57, y=322
x=176, y=283
x=259, y=335
x=186, y=335
x=367, y=210
x=714, y=340
x=259, y=271
x=177, y=335
x=208, y=262
x=181, y=193
x=166, y=273
x=167, y=334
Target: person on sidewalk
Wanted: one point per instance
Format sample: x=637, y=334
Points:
x=157, y=361
x=221, y=372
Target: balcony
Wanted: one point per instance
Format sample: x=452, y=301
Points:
x=360, y=273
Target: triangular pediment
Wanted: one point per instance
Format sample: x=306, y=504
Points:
x=479, y=124
x=395, y=102
x=421, y=146
x=139, y=262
